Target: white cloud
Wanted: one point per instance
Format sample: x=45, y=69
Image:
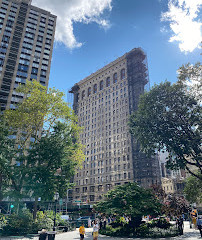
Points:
x=71, y=11
x=183, y=18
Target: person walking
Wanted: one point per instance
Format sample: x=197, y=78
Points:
x=104, y=223
x=199, y=224
x=180, y=224
x=95, y=230
x=101, y=221
x=89, y=222
x=82, y=231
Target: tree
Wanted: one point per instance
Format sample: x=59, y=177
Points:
x=169, y=119
x=190, y=77
x=7, y=151
x=175, y=205
x=43, y=160
x=39, y=108
x=130, y=200
x=57, y=156
x=193, y=189
x=158, y=191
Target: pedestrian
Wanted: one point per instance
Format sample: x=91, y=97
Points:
x=101, y=223
x=190, y=220
x=82, y=231
x=89, y=222
x=104, y=223
x=95, y=230
x=180, y=224
x=199, y=224
x=109, y=220
x=43, y=235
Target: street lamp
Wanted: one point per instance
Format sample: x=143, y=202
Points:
x=67, y=200
x=56, y=197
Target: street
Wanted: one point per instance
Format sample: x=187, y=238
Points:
x=189, y=234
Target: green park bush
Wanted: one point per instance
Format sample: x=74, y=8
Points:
x=43, y=221
x=146, y=230
x=159, y=223
x=3, y=221
x=23, y=223
x=18, y=224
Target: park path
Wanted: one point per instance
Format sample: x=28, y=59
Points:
x=189, y=234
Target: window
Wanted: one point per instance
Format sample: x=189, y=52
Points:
x=83, y=94
x=101, y=85
x=115, y=78
x=34, y=71
x=122, y=73
x=108, y=82
x=89, y=91
x=95, y=88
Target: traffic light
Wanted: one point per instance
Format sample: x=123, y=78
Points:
x=12, y=206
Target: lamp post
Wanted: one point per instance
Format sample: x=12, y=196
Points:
x=56, y=197
x=67, y=200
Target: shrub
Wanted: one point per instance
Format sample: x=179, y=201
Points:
x=23, y=223
x=3, y=221
x=159, y=223
x=142, y=231
x=19, y=224
x=42, y=222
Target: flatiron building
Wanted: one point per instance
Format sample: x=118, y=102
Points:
x=103, y=103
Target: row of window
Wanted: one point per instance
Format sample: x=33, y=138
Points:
x=100, y=107
x=108, y=91
x=102, y=179
x=101, y=85
x=100, y=164
x=96, y=188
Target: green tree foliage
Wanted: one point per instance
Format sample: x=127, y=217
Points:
x=57, y=155
x=39, y=108
x=130, y=200
x=7, y=151
x=39, y=161
x=193, y=189
x=190, y=77
x=169, y=119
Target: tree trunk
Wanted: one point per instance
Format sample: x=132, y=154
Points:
x=136, y=221
x=35, y=208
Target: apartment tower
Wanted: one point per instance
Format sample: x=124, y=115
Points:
x=103, y=102
x=26, y=44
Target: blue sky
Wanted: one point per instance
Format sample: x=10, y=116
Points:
x=95, y=38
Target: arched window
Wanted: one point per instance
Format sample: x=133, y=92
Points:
x=123, y=72
x=115, y=78
x=95, y=88
x=108, y=82
x=89, y=91
x=101, y=85
x=77, y=97
x=83, y=94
